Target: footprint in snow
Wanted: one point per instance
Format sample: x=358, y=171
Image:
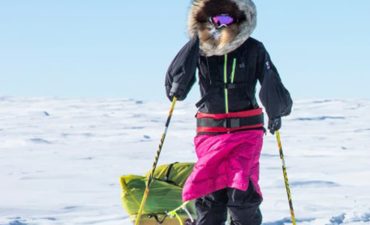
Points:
x=314, y=183
x=17, y=222
x=320, y=118
x=321, y=101
x=71, y=208
x=336, y=220
x=285, y=221
x=50, y=218
x=40, y=141
x=361, y=130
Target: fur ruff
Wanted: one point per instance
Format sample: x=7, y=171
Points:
x=220, y=42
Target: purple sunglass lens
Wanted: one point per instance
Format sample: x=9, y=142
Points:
x=222, y=20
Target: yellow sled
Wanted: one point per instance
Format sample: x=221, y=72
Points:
x=164, y=196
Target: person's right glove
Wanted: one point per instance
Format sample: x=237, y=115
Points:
x=274, y=124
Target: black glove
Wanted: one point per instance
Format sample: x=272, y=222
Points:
x=274, y=124
x=177, y=91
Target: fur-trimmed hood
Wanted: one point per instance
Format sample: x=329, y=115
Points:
x=220, y=42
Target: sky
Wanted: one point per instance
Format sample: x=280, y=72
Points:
x=113, y=48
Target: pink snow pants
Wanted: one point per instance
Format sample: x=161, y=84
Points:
x=225, y=160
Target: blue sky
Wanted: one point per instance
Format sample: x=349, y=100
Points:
x=118, y=48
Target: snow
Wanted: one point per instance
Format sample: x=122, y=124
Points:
x=61, y=159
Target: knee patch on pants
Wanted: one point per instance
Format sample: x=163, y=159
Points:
x=242, y=205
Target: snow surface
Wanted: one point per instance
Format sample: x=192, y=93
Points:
x=61, y=159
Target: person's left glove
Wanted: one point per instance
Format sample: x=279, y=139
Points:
x=274, y=124
x=177, y=91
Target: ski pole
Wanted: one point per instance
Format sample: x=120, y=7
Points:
x=156, y=159
x=286, y=178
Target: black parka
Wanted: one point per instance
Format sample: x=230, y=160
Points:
x=237, y=72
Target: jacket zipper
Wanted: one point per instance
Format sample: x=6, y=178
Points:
x=226, y=91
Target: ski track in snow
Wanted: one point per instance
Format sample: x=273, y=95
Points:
x=60, y=159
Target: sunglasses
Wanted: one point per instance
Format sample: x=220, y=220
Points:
x=222, y=20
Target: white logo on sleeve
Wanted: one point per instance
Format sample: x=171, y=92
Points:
x=268, y=65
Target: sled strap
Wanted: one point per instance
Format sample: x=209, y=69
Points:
x=188, y=213
x=157, y=219
x=173, y=213
x=168, y=173
x=179, y=219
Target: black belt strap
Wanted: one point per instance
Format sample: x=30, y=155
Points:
x=230, y=122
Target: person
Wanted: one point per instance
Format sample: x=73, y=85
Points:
x=230, y=123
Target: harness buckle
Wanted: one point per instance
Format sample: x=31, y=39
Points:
x=231, y=123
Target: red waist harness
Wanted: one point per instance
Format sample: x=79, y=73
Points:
x=228, y=122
